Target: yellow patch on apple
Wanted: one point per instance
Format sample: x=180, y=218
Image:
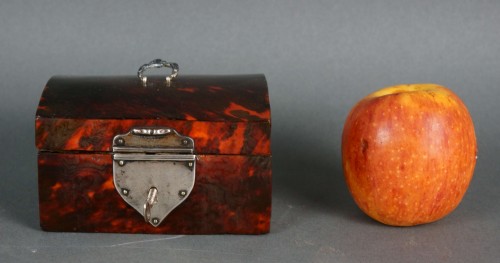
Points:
x=409, y=153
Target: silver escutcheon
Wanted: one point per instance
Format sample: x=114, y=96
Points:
x=153, y=170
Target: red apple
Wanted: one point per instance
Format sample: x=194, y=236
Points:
x=408, y=153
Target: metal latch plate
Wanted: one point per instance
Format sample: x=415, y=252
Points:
x=153, y=170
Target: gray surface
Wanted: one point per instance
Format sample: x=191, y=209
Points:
x=320, y=57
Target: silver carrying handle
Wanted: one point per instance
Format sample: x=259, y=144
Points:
x=158, y=63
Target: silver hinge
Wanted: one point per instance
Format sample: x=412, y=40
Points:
x=153, y=170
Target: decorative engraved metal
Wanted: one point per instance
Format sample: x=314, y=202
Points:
x=151, y=168
x=158, y=63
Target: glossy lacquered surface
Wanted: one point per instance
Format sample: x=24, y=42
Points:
x=202, y=98
x=232, y=195
x=228, y=117
x=224, y=114
x=97, y=135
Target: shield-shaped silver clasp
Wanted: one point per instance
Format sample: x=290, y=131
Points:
x=153, y=170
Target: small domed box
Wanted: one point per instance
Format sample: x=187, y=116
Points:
x=137, y=154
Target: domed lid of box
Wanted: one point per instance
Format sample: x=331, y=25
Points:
x=202, y=98
x=224, y=114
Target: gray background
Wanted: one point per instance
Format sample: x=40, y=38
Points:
x=320, y=57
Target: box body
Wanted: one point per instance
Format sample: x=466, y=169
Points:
x=228, y=117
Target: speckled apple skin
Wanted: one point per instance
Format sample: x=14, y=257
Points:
x=409, y=153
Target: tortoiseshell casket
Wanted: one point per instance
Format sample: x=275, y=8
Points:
x=216, y=129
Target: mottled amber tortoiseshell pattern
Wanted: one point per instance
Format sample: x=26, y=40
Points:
x=210, y=137
x=224, y=115
x=227, y=116
x=232, y=194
